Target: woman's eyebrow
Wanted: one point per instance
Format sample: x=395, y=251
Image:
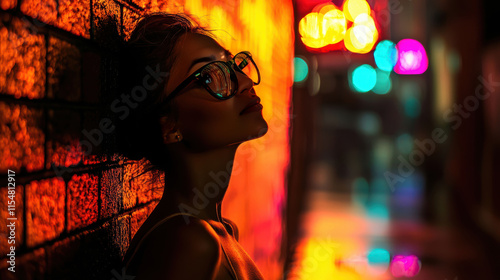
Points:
x=201, y=59
x=211, y=58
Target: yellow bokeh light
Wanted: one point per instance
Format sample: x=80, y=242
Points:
x=313, y=43
x=360, y=39
x=334, y=26
x=310, y=26
x=353, y=8
x=325, y=25
x=366, y=20
x=362, y=36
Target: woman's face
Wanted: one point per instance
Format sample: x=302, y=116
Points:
x=204, y=121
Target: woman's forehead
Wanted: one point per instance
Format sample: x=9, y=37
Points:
x=192, y=46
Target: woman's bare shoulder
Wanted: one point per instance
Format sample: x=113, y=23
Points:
x=180, y=249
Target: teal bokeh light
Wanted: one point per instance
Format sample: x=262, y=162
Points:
x=412, y=107
x=379, y=256
x=384, y=83
x=301, y=69
x=386, y=55
x=404, y=142
x=364, y=78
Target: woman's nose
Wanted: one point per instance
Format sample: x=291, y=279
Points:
x=244, y=82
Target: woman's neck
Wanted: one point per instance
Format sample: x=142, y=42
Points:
x=196, y=183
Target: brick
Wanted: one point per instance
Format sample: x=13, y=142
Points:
x=19, y=222
x=63, y=139
x=8, y=4
x=120, y=234
x=21, y=138
x=137, y=219
x=74, y=16
x=111, y=192
x=63, y=70
x=106, y=22
x=22, y=59
x=129, y=18
x=176, y=6
x=45, y=11
x=82, y=201
x=144, y=4
x=91, y=67
x=30, y=266
x=44, y=210
x=129, y=190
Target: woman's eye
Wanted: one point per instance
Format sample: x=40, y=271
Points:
x=207, y=79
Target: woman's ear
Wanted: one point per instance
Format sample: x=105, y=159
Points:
x=169, y=131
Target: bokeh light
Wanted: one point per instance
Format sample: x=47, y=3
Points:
x=310, y=30
x=386, y=55
x=404, y=143
x=383, y=83
x=353, y=8
x=301, y=70
x=378, y=261
x=362, y=36
x=363, y=78
x=326, y=25
x=334, y=26
x=412, y=58
x=405, y=266
x=360, y=191
x=369, y=123
x=412, y=107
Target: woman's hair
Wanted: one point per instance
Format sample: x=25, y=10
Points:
x=148, y=53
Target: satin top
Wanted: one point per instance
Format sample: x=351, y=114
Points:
x=238, y=263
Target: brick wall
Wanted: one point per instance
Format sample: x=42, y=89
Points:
x=77, y=207
x=76, y=213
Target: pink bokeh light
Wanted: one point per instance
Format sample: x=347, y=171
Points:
x=412, y=58
x=405, y=266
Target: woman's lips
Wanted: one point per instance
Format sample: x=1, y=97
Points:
x=253, y=108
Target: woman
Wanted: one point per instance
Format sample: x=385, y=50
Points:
x=199, y=107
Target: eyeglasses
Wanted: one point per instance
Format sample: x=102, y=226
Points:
x=219, y=78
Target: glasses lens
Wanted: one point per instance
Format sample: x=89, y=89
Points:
x=218, y=78
x=246, y=65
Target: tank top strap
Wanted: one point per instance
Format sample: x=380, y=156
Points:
x=150, y=230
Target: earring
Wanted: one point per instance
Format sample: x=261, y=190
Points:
x=178, y=137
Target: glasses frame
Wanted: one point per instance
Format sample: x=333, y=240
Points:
x=232, y=74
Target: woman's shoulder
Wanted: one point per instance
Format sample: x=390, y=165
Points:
x=174, y=248
x=186, y=231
